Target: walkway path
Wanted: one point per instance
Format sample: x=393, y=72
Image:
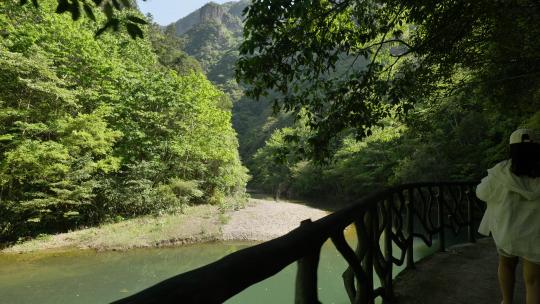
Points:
x=466, y=274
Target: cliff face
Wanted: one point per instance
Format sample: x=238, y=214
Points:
x=212, y=12
x=228, y=14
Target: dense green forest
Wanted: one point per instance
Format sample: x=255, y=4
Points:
x=97, y=129
x=443, y=85
x=454, y=128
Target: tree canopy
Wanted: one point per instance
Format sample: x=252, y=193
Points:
x=97, y=129
x=413, y=51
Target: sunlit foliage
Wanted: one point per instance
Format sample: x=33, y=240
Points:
x=92, y=129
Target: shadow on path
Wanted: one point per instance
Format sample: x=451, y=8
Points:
x=465, y=274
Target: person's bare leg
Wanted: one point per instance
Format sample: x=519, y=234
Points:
x=507, y=278
x=531, y=274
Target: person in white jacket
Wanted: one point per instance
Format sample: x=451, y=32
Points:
x=511, y=191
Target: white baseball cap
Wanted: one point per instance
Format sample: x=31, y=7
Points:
x=524, y=136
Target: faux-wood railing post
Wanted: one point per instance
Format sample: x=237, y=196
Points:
x=367, y=262
x=410, y=218
x=470, y=226
x=306, y=276
x=388, y=282
x=441, y=215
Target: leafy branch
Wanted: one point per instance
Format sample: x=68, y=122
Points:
x=110, y=8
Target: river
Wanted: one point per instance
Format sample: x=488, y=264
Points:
x=84, y=276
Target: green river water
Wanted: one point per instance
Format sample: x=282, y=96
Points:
x=85, y=276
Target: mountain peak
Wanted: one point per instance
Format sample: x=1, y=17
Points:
x=211, y=12
x=228, y=14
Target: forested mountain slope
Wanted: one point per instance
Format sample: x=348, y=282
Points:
x=452, y=136
x=95, y=129
x=212, y=35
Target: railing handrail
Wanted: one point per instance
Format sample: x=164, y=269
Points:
x=224, y=278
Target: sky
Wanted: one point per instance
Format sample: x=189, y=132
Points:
x=166, y=12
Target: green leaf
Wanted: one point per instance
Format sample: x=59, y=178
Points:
x=6, y=137
x=113, y=23
x=134, y=31
x=136, y=19
x=71, y=214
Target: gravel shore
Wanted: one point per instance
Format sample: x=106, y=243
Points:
x=263, y=220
